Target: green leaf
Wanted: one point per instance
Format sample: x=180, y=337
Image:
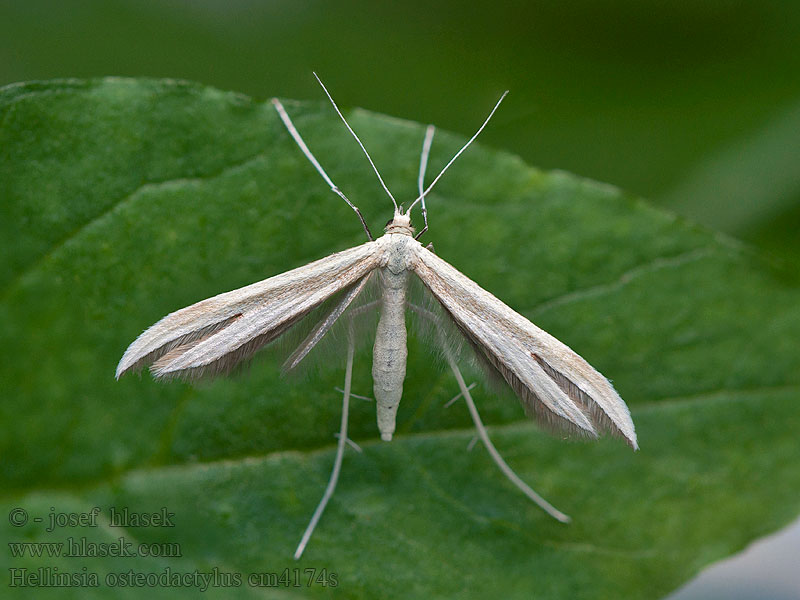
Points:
x=124, y=200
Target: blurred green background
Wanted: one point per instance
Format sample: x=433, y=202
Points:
x=692, y=104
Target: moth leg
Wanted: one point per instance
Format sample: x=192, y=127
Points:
x=426, y=146
x=350, y=442
x=507, y=471
x=302, y=145
x=359, y=397
x=423, y=165
x=481, y=428
x=453, y=400
x=337, y=463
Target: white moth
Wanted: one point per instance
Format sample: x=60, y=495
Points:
x=555, y=385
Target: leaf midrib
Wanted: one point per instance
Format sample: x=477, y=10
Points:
x=702, y=399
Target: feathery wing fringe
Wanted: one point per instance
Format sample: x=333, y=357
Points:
x=215, y=334
x=533, y=362
x=323, y=326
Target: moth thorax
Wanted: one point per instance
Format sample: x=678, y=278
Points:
x=400, y=224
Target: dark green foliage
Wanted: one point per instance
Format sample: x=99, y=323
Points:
x=123, y=200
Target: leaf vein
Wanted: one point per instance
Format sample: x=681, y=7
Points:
x=105, y=212
x=622, y=280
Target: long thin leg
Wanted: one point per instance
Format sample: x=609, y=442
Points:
x=507, y=471
x=452, y=160
x=351, y=443
x=452, y=400
x=337, y=464
x=423, y=166
x=299, y=140
x=479, y=426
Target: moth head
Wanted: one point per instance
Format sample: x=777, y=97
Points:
x=400, y=223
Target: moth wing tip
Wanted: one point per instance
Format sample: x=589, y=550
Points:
x=125, y=365
x=628, y=433
x=586, y=426
x=289, y=365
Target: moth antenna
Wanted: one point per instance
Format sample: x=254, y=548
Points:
x=422, y=195
x=350, y=129
x=423, y=166
x=312, y=159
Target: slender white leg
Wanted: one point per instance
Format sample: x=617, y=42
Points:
x=479, y=426
x=453, y=400
x=337, y=464
x=352, y=395
x=352, y=444
x=452, y=160
x=423, y=166
x=299, y=140
x=513, y=477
